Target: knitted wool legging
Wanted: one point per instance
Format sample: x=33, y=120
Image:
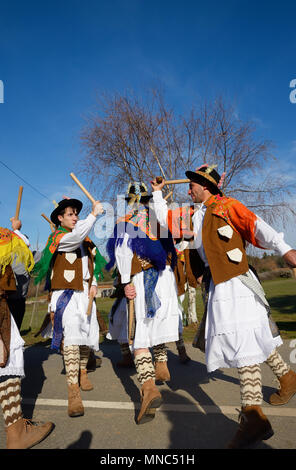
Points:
x=250, y=385
x=144, y=367
x=84, y=356
x=277, y=364
x=160, y=353
x=75, y=358
x=251, y=382
x=72, y=359
x=10, y=400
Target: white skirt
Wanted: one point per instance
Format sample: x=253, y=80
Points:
x=78, y=328
x=163, y=327
x=15, y=363
x=237, y=332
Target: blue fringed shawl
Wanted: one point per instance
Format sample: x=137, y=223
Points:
x=154, y=250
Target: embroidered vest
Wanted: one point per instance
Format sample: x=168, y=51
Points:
x=224, y=248
x=66, y=272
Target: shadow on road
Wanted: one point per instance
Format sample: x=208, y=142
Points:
x=84, y=441
x=198, y=430
x=32, y=384
x=111, y=351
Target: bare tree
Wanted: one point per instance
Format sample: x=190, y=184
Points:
x=132, y=138
x=135, y=139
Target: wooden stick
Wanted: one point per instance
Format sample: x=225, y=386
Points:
x=131, y=319
x=90, y=303
x=53, y=227
x=168, y=195
x=82, y=188
x=18, y=205
x=131, y=313
x=177, y=181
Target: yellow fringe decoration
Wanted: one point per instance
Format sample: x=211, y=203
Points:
x=14, y=249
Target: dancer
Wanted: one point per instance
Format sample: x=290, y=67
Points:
x=236, y=329
x=21, y=433
x=145, y=263
x=72, y=265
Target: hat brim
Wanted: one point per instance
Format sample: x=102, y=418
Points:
x=142, y=199
x=196, y=178
x=63, y=205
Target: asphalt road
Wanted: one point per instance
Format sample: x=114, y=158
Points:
x=199, y=411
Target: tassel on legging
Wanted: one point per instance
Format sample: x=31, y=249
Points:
x=144, y=367
x=160, y=353
x=250, y=385
x=10, y=400
x=72, y=359
x=84, y=356
x=277, y=364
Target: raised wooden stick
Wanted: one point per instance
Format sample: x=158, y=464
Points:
x=82, y=187
x=173, y=181
x=18, y=205
x=168, y=195
x=50, y=222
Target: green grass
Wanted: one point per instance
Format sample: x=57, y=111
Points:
x=281, y=294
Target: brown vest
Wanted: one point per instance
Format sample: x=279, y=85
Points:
x=7, y=280
x=7, y=283
x=67, y=268
x=217, y=248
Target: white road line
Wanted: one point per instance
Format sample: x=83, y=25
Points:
x=193, y=408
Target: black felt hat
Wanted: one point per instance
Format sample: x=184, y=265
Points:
x=63, y=205
x=208, y=174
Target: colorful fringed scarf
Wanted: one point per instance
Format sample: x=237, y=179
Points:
x=42, y=268
x=152, y=301
x=14, y=249
x=142, y=240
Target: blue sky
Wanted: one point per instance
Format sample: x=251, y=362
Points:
x=55, y=56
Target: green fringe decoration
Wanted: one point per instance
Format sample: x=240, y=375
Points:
x=100, y=263
x=41, y=269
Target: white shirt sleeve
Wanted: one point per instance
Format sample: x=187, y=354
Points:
x=269, y=239
x=72, y=240
x=23, y=237
x=160, y=208
x=124, y=256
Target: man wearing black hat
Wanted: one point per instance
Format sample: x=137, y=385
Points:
x=72, y=265
x=236, y=330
